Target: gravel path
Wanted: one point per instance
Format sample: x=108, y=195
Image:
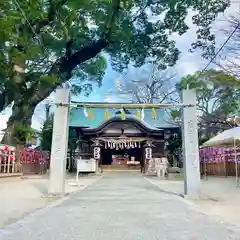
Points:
x=119, y=206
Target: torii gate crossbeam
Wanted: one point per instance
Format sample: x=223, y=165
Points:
x=189, y=136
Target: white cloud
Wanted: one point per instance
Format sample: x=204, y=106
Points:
x=190, y=62
x=109, y=99
x=185, y=66
x=4, y=118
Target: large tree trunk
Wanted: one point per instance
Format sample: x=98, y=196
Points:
x=21, y=114
x=61, y=69
x=18, y=165
x=23, y=110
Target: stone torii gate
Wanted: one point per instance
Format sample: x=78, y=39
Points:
x=189, y=137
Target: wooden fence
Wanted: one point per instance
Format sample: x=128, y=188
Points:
x=219, y=169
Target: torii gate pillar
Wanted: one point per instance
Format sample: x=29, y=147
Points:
x=190, y=145
x=59, y=143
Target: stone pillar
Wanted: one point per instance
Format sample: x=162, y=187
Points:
x=59, y=143
x=190, y=145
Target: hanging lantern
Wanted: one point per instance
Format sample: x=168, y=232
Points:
x=123, y=115
x=138, y=114
x=90, y=114
x=6, y=148
x=154, y=114
x=106, y=114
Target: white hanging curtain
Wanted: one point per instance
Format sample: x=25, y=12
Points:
x=142, y=114
x=85, y=112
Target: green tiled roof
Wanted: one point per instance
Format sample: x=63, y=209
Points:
x=78, y=118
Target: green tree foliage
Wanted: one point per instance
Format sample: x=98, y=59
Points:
x=217, y=92
x=72, y=145
x=22, y=133
x=46, y=134
x=46, y=142
x=217, y=99
x=45, y=43
x=175, y=147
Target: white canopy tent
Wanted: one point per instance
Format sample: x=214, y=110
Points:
x=228, y=138
x=225, y=139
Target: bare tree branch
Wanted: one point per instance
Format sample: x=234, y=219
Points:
x=230, y=60
x=151, y=86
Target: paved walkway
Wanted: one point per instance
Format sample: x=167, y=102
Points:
x=19, y=197
x=220, y=196
x=120, y=206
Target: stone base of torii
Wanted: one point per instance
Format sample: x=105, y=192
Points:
x=60, y=144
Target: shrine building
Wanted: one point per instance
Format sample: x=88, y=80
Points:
x=118, y=138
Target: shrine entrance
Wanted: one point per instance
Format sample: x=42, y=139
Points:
x=121, y=156
x=121, y=143
x=124, y=155
x=112, y=130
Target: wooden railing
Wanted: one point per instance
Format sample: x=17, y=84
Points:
x=7, y=160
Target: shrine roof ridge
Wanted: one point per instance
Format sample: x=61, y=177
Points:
x=129, y=118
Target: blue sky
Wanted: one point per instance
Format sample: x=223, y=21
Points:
x=98, y=94
x=188, y=63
